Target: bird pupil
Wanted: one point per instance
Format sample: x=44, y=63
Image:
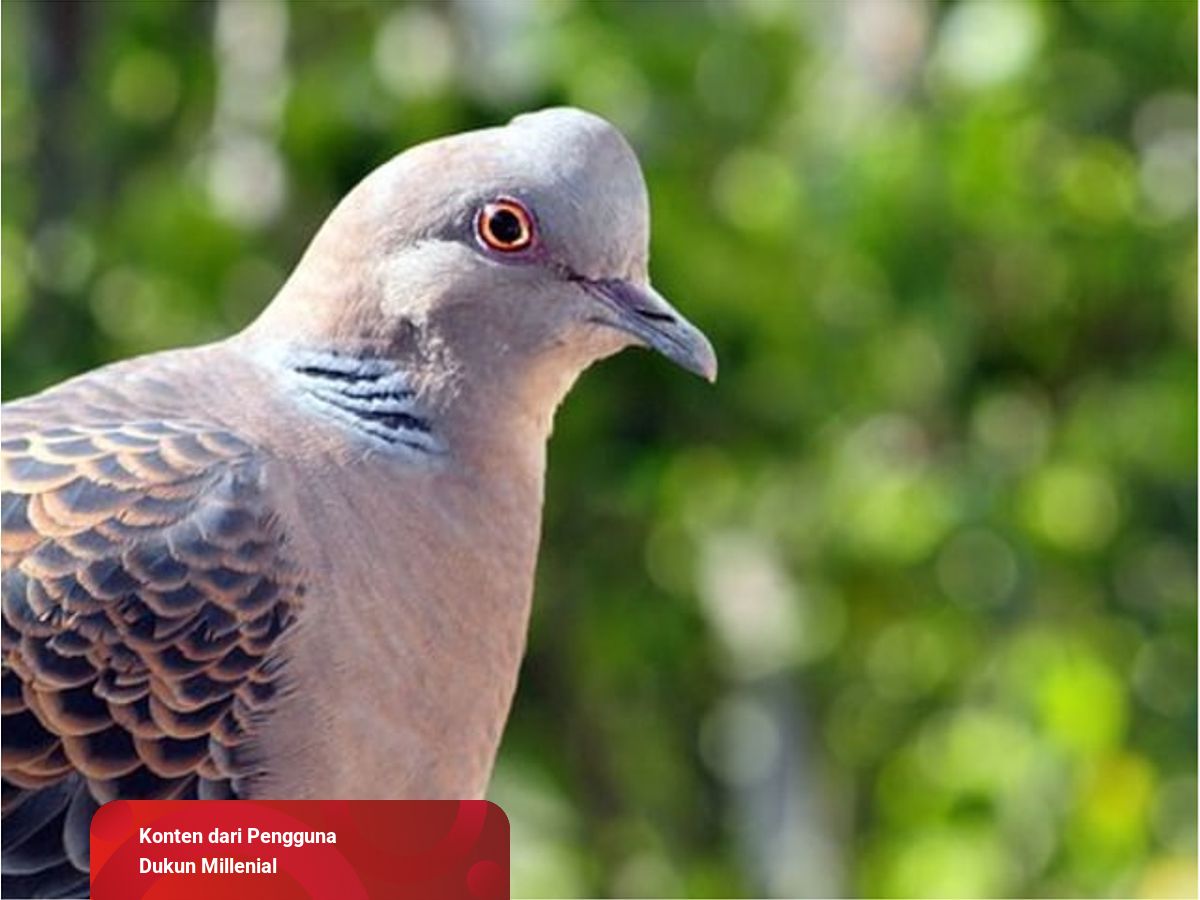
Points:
x=506, y=227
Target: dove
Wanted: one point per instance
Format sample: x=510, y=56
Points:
x=298, y=563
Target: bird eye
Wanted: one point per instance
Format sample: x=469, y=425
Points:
x=505, y=225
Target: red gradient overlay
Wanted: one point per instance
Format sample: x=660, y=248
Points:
x=434, y=849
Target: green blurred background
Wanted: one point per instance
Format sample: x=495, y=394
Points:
x=906, y=604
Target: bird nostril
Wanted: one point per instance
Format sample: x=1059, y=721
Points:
x=655, y=316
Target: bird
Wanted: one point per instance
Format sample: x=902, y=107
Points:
x=298, y=563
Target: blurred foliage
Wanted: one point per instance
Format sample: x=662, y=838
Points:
x=906, y=605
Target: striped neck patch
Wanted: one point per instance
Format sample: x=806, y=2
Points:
x=369, y=395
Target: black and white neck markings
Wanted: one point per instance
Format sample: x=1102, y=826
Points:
x=369, y=395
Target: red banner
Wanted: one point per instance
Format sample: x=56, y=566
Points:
x=320, y=849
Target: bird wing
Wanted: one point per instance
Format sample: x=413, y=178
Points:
x=145, y=586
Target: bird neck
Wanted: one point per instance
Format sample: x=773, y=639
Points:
x=419, y=402
x=442, y=520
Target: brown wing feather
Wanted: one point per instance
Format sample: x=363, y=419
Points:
x=145, y=585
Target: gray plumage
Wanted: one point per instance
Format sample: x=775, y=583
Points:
x=298, y=563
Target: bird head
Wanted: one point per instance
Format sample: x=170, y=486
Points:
x=517, y=251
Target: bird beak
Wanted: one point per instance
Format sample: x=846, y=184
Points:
x=643, y=312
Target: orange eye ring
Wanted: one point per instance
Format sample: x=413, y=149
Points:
x=505, y=225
